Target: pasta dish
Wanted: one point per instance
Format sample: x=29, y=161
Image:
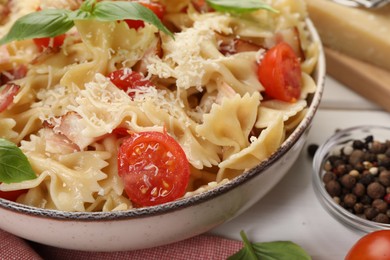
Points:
x=113, y=115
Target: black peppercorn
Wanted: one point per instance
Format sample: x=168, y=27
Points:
x=333, y=187
x=384, y=177
x=358, y=208
x=348, y=181
x=378, y=147
x=359, y=145
x=381, y=218
x=357, y=177
x=312, y=149
x=366, y=200
x=359, y=190
x=375, y=190
x=380, y=205
x=370, y=213
x=357, y=156
x=328, y=176
x=350, y=200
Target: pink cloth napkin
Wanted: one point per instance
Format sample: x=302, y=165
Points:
x=199, y=247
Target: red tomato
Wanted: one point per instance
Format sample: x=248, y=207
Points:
x=43, y=43
x=373, y=246
x=280, y=73
x=153, y=167
x=126, y=79
x=7, y=95
x=156, y=8
x=11, y=195
x=201, y=6
x=121, y=131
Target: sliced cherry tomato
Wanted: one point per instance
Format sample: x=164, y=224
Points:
x=7, y=95
x=11, y=195
x=280, y=73
x=156, y=8
x=153, y=167
x=201, y=6
x=373, y=246
x=121, y=131
x=43, y=43
x=126, y=79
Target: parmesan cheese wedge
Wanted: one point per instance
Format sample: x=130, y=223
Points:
x=361, y=33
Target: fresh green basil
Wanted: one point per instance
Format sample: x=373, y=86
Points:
x=53, y=22
x=281, y=250
x=111, y=11
x=14, y=165
x=45, y=23
x=243, y=6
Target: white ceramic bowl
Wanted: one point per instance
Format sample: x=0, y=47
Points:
x=171, y=222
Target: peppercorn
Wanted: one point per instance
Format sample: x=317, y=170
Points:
x=380, y=205
x=312, y=149
x=328, y=176
x=359, y=190
x=350, y=200
x=378, y=147
x=366, y=178
x=357, y=177
x=375, y=190
x=357, y=156
x=370, y=213
x=333, y=188
x=381, y=218
x=383, y=160
x=384, y=177
x=358, y=208
x=357, y=144
x=369, y=139
x=366, y=200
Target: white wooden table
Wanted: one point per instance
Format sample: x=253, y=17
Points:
x=291, y=211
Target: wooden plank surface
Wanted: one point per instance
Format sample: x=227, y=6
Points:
x=365, y=79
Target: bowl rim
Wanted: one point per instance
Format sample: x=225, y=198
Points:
x=337, y=211
x=320, y=74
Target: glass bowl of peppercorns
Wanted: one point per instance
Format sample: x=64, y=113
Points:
x=352, y=176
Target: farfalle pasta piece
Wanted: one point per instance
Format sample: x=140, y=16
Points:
x=228, y=124
x=260, y=149
x=274, y=108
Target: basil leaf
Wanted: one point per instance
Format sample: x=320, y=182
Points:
x=280, y=250
x=247, y=252
x=243, y=6
x=53, y=22
x=120, y=10
x=45, y=23
x=14, y=165
x=269, y=251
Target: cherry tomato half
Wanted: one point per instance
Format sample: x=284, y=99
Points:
x=373, y=246
x=11, y=195
x=280, y=73
x=201, y=6
x=156, y=8
x=43, y=43
x=126, y=79
x=153, y=167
